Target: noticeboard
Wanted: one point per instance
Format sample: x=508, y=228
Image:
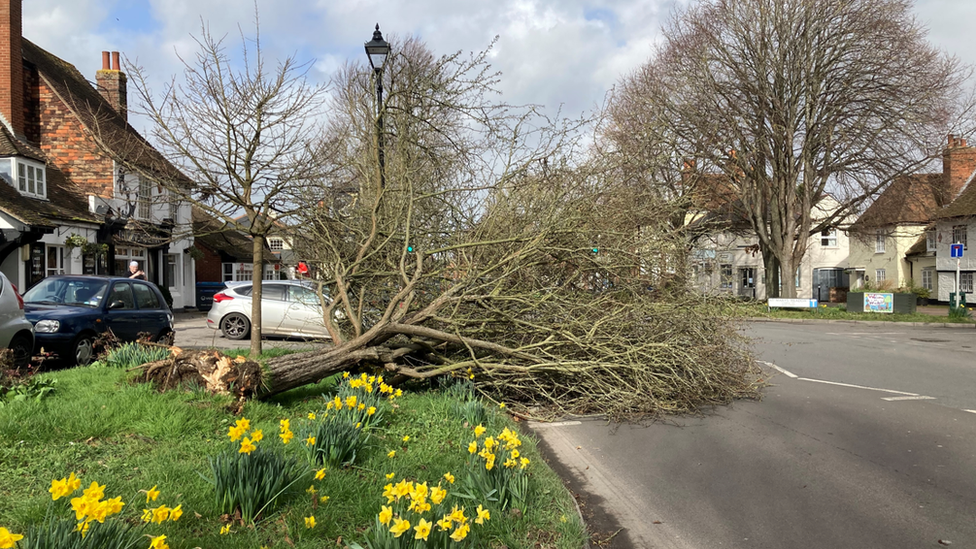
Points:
x=879, y=303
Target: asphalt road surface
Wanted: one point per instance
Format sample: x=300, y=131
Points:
x=192, y=332
x=866, y=438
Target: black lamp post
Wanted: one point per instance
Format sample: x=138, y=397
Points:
x=378, y=49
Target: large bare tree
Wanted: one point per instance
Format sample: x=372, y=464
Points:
x=793, y=100
x=489, y=250
x=242, y=129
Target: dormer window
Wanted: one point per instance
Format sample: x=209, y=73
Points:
x=27, y=176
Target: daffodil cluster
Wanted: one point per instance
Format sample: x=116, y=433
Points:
x=508, y=481
x=88, y=507
x=507, y=441
x=242, y=428
x=161, y=514
x=423, y=513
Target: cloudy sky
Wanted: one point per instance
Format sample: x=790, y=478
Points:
x=557, y=53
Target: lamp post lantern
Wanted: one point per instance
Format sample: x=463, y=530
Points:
x=378, y=50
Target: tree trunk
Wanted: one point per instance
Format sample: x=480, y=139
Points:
x=256, y=277
x=771, y=275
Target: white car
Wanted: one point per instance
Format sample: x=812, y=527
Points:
x=16, y=332
x=288, y=308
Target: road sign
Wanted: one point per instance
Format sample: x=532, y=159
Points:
x=955, y=250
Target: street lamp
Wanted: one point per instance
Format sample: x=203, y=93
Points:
x=377, y=50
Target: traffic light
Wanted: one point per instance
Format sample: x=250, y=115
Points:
x=596, y=250
x=410, y=249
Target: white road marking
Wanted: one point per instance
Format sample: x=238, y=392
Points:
x=890, y=399
x=857, y=386
x=781, y=370
x=540, y=424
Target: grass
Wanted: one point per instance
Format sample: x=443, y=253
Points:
x=759, y=310
x=129, y=437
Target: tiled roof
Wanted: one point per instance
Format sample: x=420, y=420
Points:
x=111, y=128
x=963, y=205
x=909, y=199
x=220, y=238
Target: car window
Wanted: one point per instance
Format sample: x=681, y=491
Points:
x=302, y=294
x=274, y=292
x=122, y=291
x=71, y=291
x=243, y=290
x=145, y=296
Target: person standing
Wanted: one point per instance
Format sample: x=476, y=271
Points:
x=135, y=271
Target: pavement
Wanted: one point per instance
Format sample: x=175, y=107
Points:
x=192, y=332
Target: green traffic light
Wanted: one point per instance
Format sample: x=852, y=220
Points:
x=410, y=249
x=596, y=250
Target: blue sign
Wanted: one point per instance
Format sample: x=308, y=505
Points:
x=955, y=250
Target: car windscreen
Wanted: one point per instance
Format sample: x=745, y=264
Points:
x=69, y=291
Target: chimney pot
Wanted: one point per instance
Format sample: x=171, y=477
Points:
x=952, y=139
x=115, y=61
x=962, y=142
x=105, y=65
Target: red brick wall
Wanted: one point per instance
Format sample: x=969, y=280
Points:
x=209, y=267
x=958, y=163
x=11, y=64
x=69, y=146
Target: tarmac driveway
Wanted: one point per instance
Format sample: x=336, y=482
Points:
x=192, y=332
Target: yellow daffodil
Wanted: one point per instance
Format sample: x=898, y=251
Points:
x=473, y=447
x=419, y=491
x=337, y=403
x=310, y=522
x=257, y=436
x=457, y=515
x=390, y=476
x=445, y=523
x=244, y=423
x=388, y=493
x=73, y=482
x=158, y=542
x=490, y=443
x=324, y=499
x=151, y=494
x=176, y=513
x=115, y=505
x=224, y=530
x=371, y=410
x=361, y=407
x=501, y=404
x=386, y=515
x=369, y=387
x=146, y=515
x=392, y=454
x=311, y=415
x=82, y=527
x=398, y=393
x=286, y=437
x=8, y=539
x=160, y=514
x=515, y=454
x=320, y=474
x=479, y=430
x=309, y=441
x=235, y=433
x=246, y=446
x=59, y=489
x=311, y=490
x=351, y=401
x=490, y=462
x=406, y=438
x=94, y=492
x=359, y=424
x=399, y=527
x=525, y=462
x=437, y=494
x=345, y=375
x=285, y=424
x=461, y=532
x=483, y=515
x=422, y=529
x=449, y=477
x=402, y=488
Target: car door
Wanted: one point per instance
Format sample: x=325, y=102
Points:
x=153, y=316
x=274, y=309
x=304, y=312
x=122, y=316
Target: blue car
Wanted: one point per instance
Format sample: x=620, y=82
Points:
x=70, y=311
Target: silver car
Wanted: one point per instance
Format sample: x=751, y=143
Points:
x=288, y=308
x=16, y=332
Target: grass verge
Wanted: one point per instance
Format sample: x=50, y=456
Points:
x=130, y=438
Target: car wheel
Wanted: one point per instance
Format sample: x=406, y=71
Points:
x=166, y=337
x=22, y=347
x=235, y=326
x=83, y=349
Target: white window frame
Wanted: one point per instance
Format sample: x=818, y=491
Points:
x=966, y=282
x=930, y=241
x=927, y=278
x=172, y=261
x=879, y=243
x=726, y=276
x=28, y=177
x=237, y=272
x=58, y=257
x=959, y=234
x=879, y=275
x=828, y=238
x=143, y=199
x=125, y=255
x=276, y=243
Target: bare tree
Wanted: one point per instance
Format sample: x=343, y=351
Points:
x=490, y=251
x=242, y=130
x=792, y=100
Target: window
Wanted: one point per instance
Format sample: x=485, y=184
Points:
x=966, y=282
x=879, y=275
x=122, y=293
x=927, y=279
x=145, y=297
x=725, y=276
x=54, y=264
x=930, y=242
x=303, y=295
x=143, y=198
x=238, y=272
x=31, y=176
x=174, y=206
x=879, y=243
x=828, y=238
x=959, y=235
x=123, y=256
x=171, y=276
x=276, y=243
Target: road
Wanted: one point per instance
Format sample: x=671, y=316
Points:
x=192, y=332
x=867, y=440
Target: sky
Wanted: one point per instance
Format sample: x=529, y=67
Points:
x=565, y=55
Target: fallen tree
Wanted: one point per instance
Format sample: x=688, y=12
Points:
x=485, y=247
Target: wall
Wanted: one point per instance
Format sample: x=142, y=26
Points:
x=946, y=265
x=898, y=240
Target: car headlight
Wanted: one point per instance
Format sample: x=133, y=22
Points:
x=47, y=326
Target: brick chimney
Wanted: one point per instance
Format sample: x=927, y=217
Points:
x=11, y=65
x=958, y=164
x=111, y=83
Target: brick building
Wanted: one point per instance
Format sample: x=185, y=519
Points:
x=73, y=202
